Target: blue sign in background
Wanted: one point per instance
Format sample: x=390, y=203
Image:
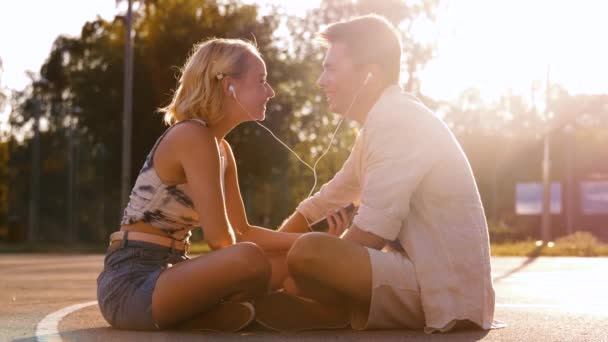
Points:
x=529, y=198
x=594, y=197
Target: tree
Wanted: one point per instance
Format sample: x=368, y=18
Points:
x=78, y=94
x=4, y=173
x=503, y=139
x=2, y=94
x=3, y=168
x=81, y=84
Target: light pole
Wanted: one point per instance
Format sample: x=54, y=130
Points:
x=545, y=224
x=126, y=112
x=569, y=130
x=34, y=212
x=72, y=217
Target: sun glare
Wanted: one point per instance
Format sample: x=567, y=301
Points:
x=501, y=45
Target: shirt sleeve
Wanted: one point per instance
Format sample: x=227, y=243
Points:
x=396, y=158
x=342, y=189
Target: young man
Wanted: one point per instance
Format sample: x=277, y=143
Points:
x=417, y=253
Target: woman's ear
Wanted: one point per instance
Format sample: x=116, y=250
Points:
x=228, y=87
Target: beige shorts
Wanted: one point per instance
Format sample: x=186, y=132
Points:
x=395, y=301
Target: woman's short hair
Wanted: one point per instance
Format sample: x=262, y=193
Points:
x=369, y=39
x=199, y=94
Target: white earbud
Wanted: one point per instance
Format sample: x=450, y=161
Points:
x=313, y=168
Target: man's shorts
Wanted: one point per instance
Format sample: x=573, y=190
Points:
x=395, y=300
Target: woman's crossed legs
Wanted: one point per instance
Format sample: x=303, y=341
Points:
x=189, y=293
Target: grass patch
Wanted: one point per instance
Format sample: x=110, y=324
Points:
x=199, y=247
x=579, y=244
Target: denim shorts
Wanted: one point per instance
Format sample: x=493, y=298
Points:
x=126, y=284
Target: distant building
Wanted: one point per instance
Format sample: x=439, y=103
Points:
x=582, y=207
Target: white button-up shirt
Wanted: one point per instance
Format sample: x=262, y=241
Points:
x=415, y=185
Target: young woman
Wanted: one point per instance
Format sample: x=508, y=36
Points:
x=188, y=180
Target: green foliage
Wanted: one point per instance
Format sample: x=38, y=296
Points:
x=503, y=142
x=579, y=244
x=4, y=155
x=3, y=96
x=81, y=83
x=4, y=170
x=500, y=232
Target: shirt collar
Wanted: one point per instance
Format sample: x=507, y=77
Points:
x=387, y=93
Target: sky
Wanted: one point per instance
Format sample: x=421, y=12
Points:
x=493, y=45
x=499, y=45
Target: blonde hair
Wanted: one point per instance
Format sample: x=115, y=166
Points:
x=199, y=94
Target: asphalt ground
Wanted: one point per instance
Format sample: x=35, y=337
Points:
x=52, y=298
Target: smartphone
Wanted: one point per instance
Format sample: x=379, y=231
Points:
x=322, y=225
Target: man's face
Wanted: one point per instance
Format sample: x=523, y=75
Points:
x=339, y=80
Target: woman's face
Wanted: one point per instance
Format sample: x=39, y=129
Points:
x=252, y=91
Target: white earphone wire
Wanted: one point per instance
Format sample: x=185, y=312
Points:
x=312, y=168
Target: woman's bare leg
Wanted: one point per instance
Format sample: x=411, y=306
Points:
x=197, y=285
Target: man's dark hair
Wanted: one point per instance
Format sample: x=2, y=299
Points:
x=369, y=39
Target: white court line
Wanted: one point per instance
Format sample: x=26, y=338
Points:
x=47, y=329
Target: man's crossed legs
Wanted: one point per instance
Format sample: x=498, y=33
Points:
x=334, y=282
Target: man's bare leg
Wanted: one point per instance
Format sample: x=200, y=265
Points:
x=320, y=262
x=334, y=272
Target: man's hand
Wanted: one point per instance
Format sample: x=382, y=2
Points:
x=339, y=221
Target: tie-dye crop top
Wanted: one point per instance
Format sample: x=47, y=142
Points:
x=167, y=207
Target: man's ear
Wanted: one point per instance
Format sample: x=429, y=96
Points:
x=372, y=71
